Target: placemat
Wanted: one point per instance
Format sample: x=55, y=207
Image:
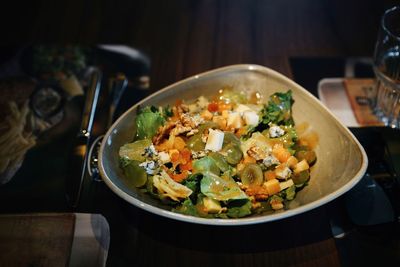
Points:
x=359, y=92
x=36, y=239
x=349, y=100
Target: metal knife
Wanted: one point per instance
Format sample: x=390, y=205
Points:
x=78, y=155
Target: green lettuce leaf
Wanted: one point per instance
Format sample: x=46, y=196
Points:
x=239, y=211
x=147, y=123
x=205, y=165
x=220, y=189
x=279, y=109
x=187, y=207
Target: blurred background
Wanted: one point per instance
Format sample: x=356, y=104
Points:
x=186, y=37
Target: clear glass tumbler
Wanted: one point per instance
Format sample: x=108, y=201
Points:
x=387, y=69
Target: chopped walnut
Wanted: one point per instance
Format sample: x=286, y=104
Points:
x=163, y=132
x=192, y=132
x=256, y=152
x=259, y=192
x=180, y=129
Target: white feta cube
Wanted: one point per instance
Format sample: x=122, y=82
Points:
x=250, y=118
x=242, y=108
x=234, y=120
x=276, y=131
x=164, y=157
x=215, y=140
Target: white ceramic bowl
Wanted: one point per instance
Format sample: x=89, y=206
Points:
x=341, y=162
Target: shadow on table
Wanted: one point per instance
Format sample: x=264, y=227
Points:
x=308, y=228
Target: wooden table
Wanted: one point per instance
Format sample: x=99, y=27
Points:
x=183, y=38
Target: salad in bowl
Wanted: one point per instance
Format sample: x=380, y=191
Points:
x=230, y=155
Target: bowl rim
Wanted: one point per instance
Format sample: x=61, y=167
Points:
x=235, y=221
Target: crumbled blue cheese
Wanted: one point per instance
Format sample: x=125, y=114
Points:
x=150, y=152
x=151, y=167
x=270, y=160
x=283, y=173
x=276, y=131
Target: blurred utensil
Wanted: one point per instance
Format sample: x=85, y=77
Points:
x=78, y=156
x=118, y=87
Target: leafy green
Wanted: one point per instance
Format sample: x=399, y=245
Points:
x=193, y=183
x=220, y=161
x=250, y=129
x=187, y=207
x=275, y=198
x=148, y=121
x=289, y=139
x=279, y=109
x=239, y=211
x=220, y=189
x=205, y=165
x=290, y=192
x=166, y=112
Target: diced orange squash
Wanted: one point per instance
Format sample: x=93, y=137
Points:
x=186, y=167
x=179, y=177
x=225, y=114
x=248, y=159
x=276, y=205
x=272, y=186
x=281, y=153
x=269, y=175
x=163, y=146
x=224, y=106
x=241, y=131
x=179, y=143
x=292, y=161
x=174, y=155
x=301, y=166
x=221, y=121
x=206, y=115
x=185, y=154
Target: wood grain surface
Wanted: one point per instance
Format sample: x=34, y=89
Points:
x=36, y=239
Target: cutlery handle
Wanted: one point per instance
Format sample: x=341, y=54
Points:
x=92, y=96
x=118, y=87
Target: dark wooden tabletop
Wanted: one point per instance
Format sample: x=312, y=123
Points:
x=183, y=38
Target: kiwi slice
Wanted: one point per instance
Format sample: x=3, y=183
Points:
x=252, y=175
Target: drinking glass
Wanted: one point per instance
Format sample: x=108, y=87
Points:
x=387, y=69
